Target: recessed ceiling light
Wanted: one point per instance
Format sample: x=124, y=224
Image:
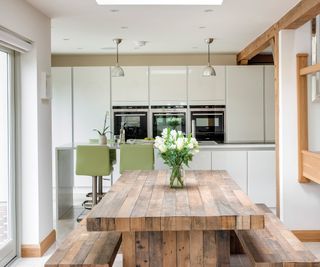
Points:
x=195, y=47
x=66, y=39
x=208, y=10
x=140, y=43
x=160, y=2
x=124, y=27
x=108, y=48
x=114, y=10
x=79, y=48
x=202, y=27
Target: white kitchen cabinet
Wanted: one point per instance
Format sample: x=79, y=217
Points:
x=262, y=177
x=269, y=103
x=61, y=106
x=168, y=85
x=132, y=89
x=158, y=161
x=201, y=161
x=244, y=104
x=235, y=163
x=206, y=90
x=61, y=111
x=91, y=101
x=91, y=94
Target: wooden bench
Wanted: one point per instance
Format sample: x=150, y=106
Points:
x=83, y=248
x=275, y=245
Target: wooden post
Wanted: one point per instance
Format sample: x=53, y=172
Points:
x=275, y=51
x=302, y=106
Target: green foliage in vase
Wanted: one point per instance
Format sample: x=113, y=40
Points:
x=105, y=127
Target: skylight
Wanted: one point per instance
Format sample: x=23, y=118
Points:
x=160, y=2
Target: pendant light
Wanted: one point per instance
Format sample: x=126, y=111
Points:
x=117, y=71
x=208, y=70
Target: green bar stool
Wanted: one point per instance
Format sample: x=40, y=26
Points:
x=136, y=157
x=95, y=161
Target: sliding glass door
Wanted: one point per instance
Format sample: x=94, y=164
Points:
x=7, y=180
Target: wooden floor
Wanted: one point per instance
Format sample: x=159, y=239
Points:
x=3, y=223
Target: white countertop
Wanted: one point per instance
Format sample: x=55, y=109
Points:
x=211, y=146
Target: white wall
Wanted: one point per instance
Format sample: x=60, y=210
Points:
x=35, y=133
x=300, y=203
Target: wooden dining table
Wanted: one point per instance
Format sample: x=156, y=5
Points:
x=168, y=227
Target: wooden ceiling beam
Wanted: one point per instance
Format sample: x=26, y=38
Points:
x=304, y=11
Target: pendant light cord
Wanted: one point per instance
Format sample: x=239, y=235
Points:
x=208, y=54
x=117, y=54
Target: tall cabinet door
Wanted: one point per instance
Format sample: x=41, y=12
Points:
x=269, y=103
x=132, y=89
x=61, y=106
x=206, y=90
x=245, y=104
x=91, y=101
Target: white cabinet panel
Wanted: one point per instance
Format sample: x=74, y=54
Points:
x=61, y=106
x=234, y=162
x=244, y=108
x=168, y=85
x=201, y=161
x=269, y=103
x=132, y=89
x=91, y=101
x=206, y=90
x=158, y=161
x=262, y=177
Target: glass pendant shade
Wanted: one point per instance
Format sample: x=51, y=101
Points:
x=117, y=71
x=208, y=71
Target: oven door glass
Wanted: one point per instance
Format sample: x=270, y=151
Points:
x=176, y=121
x=209, y=126
x=135, y=124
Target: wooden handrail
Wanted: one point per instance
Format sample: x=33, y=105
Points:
x=310, y=69
x=311, y=165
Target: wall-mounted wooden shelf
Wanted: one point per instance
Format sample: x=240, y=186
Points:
x=310, y=69
x=308, y=162
x=311, y=165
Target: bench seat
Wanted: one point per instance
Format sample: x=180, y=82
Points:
x=83, y=248
x=274, y=246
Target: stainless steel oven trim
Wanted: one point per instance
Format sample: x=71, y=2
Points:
x=208, y=114
x=130, y=115
x=129, y=110
x=207, y=109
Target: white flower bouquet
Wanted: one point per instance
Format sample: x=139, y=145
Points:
x=176, y=150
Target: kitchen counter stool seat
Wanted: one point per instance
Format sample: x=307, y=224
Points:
x=94, y=161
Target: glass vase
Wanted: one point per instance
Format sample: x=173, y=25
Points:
x=176, y=177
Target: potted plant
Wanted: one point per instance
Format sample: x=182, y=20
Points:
x=104, y=131
x=176, y=150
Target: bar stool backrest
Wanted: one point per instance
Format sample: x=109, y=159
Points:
x=93, y=160
x=136, y=157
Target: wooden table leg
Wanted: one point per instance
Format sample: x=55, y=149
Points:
x=223, y=248
x=176, y=249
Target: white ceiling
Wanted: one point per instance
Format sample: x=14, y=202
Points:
x=168, y=29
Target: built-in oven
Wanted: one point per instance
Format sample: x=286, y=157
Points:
x=173, y=117
x=134, y=119
x=208, y=123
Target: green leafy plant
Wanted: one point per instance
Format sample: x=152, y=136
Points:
x=174, y=122
x=105, y=127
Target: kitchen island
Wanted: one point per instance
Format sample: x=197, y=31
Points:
x=252, y=166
